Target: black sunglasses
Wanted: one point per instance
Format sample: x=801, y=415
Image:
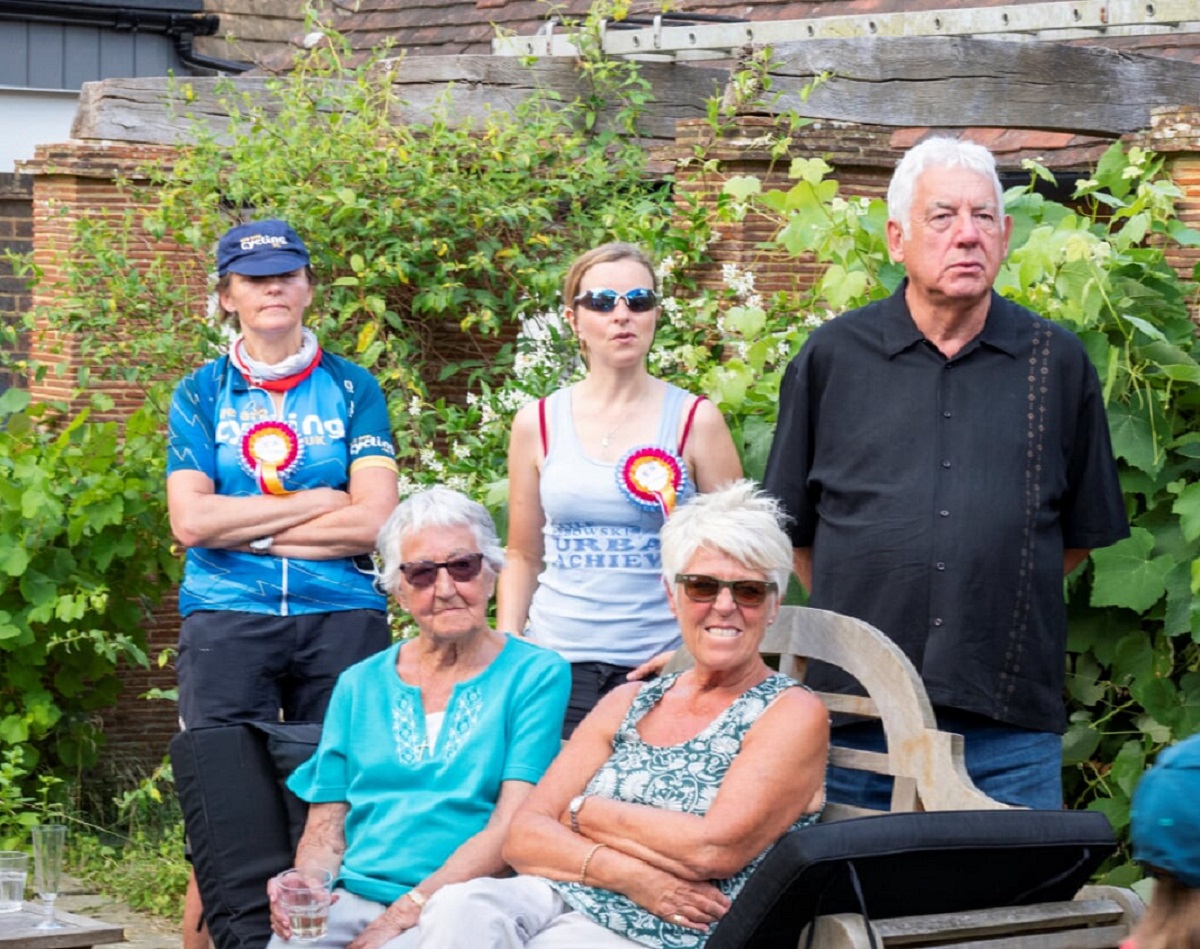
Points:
x=423, y=573
x=641, y=300
x=702, y=588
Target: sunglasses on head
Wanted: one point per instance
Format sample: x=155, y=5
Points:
x=641, y=300
x=701, y=588
x=423, y=573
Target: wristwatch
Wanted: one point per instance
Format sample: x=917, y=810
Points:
x=574, y=808
x=261, y=545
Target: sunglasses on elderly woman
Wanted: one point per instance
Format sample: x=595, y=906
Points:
x=423, y=573
x=701, y=588
x=641, y=300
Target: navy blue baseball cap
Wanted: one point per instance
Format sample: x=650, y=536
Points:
x=261, y=249
x=1164, y=820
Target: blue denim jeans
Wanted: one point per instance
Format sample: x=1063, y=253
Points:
x=1013, y=765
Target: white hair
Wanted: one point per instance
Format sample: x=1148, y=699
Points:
x=435, y=507
x=737, y=520
x=940, y=152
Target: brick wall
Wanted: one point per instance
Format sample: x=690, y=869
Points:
x=1175, y=134
x=72, y=182
x=16, y=235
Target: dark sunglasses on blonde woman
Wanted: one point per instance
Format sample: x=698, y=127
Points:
x=701, y=588
x=641, y=300
x=423, y=573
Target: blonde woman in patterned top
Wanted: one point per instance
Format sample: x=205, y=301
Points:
x=649, y=822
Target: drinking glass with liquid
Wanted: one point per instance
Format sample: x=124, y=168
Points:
x=14, y=867
x=305, y=894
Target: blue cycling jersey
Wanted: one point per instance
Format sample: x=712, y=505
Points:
x=340, y=423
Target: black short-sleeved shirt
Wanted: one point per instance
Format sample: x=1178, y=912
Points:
x=938, y=495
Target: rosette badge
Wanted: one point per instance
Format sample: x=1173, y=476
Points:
x=652, y=478
x=269, y=450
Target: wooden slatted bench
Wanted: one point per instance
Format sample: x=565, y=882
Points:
x=927, y=766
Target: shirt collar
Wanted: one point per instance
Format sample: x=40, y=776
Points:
x=1000, y=331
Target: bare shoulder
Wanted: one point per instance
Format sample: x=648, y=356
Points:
x=795, y=712
x=526, y=417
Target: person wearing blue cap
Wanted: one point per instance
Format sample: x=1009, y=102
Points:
x=280, y=472
x=1164, y=823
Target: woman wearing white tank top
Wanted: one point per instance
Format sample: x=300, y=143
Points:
x=593, y=471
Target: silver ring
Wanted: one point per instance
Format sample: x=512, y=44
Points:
x=678, y=919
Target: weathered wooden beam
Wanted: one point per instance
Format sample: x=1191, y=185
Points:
x=960, y=82
x=466, y=88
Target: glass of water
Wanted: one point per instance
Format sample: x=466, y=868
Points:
x=14, y=865
x=48, y=843
x=305, y=893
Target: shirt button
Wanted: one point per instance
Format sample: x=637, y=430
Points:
x=937, y=621
x=943, y=513
x=946, y=414
x=940, y=565
x=945, y=464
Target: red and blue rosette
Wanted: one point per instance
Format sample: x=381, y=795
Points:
x=269, y=449
x=652, y=478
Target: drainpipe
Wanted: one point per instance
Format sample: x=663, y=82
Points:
x=181, y=27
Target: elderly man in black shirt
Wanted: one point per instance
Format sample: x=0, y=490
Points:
x=946, y=458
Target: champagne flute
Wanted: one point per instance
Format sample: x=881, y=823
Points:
x=48, y=840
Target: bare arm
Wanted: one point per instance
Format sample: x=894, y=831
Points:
x=802, y=566
x=476, y=857
x=316, y=524
x=524, y=552
x=710, y=453
x=349, y=530
x=202, y=518
x=1073, y=557
x=540, y=843
x=321, y=845
x=777, y=777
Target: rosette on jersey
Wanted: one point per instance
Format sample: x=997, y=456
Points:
x=269, y=450
x=652, y=478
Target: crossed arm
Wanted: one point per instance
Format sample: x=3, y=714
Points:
x=665, y=860
x=314, y=524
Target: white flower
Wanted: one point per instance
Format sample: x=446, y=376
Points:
x=457, y=482
x=472, y=398
x=428, y=457
x=415, y=405
x=461, y=451
x=740, y=282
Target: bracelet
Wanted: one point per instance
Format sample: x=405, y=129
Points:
x=419, y=898
x=586, y=862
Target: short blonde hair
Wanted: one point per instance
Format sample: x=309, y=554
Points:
x=737, y=520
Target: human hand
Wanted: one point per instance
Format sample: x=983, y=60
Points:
x=688, y=903
x=651, y=667
x=281, y=921
x=401, y=916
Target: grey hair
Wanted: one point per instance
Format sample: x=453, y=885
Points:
x=939, y=152
x=435, y=507
x=737, y=520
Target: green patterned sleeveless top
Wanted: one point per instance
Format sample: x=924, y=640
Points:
x=682, y=777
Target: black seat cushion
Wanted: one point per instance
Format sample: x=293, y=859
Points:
x=913, y=864
x=242, y=822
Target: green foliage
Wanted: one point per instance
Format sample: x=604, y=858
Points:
x=82, y=557
x=139, y=859
x=1099, y=268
